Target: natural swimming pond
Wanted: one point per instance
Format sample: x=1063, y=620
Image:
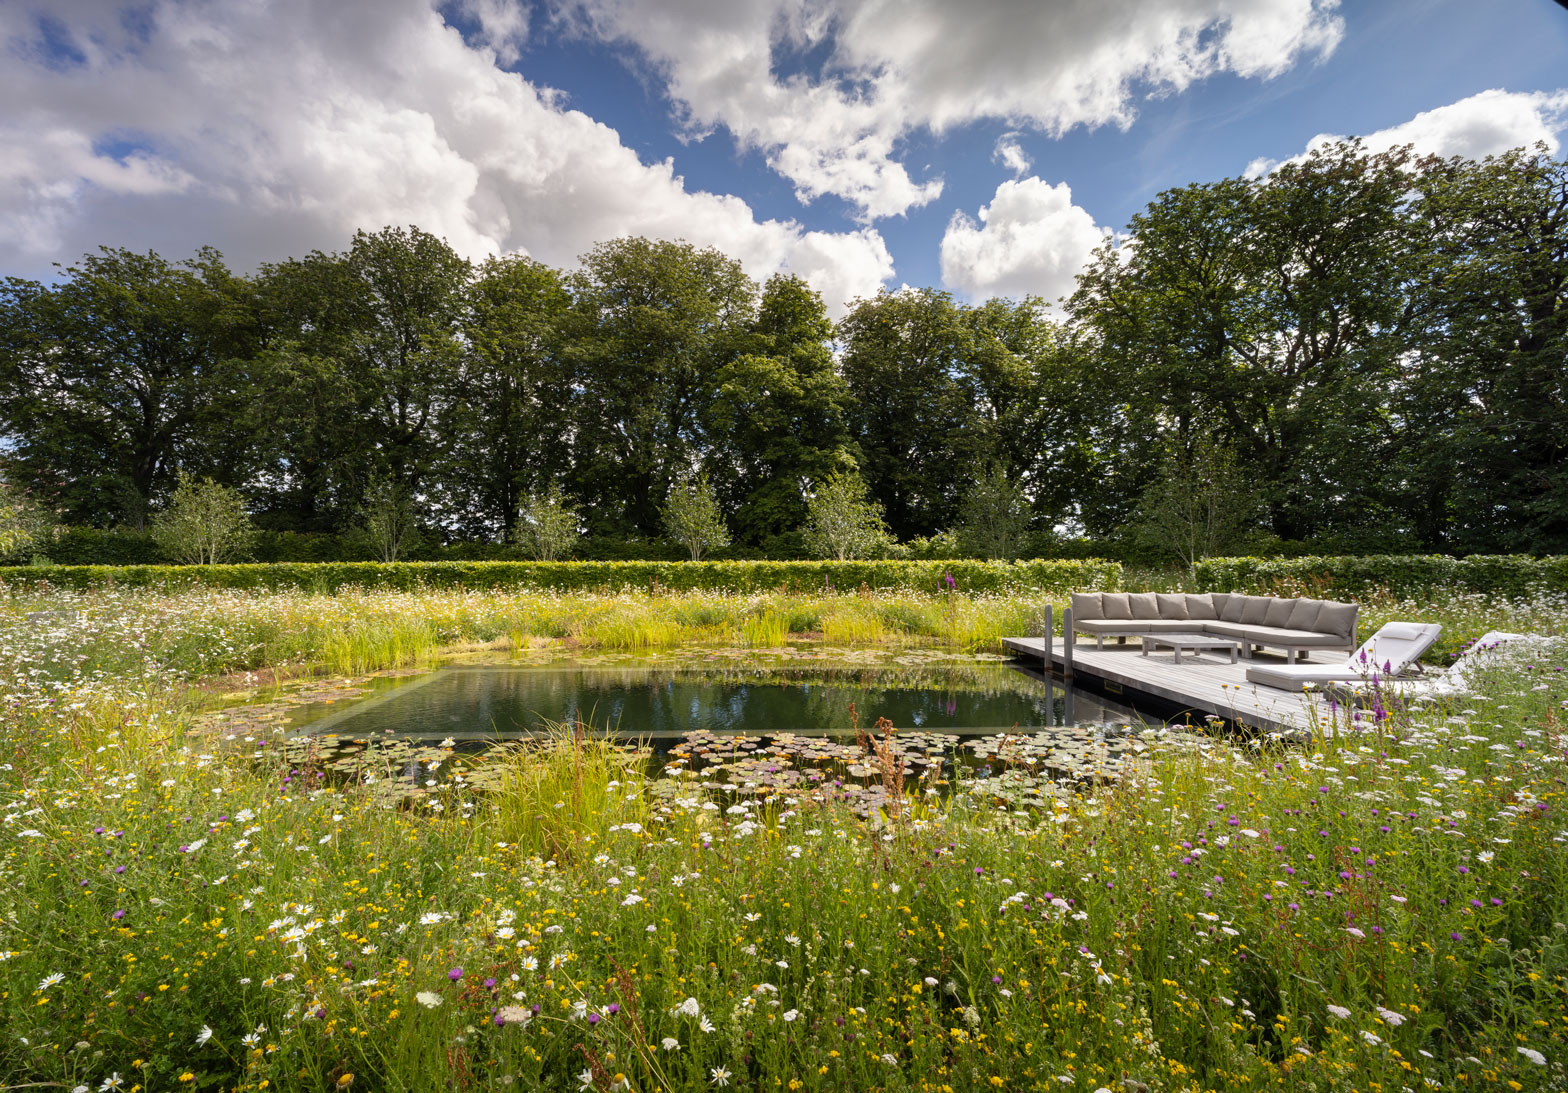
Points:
x=657, y=703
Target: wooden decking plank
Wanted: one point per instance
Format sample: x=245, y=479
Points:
x=1206, y=684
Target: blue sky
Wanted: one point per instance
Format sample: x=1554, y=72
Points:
x=862, y=143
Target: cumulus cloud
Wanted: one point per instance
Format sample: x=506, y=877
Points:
x=1030, y=240
x=1485, y=124
x=893, y=66
x=273, y=128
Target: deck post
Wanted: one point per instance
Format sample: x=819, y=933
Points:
x=1067, y=643
x=1048, y=638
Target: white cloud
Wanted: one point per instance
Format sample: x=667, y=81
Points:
x=1030, y=240
x=272, y=128
x=1485, y=124
x=894, y=66
x=1010, y=154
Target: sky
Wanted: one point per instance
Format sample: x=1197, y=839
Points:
x=986, y=148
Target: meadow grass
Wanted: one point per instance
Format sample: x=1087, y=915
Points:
x=1384, y=908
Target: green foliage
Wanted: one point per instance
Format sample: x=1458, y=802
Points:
x=548, y=527
x=994, y=518
x=1202, y=504
x=842, y=522
x=1403, y=576
x=27, y=529
x=389, y=521
x=756, y=576
x=692, y=518
x=205, y=523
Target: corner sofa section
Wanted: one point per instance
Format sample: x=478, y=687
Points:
x=1296, y=625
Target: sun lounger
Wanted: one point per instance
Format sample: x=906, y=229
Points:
x=1457, y=679
x=1387, y=654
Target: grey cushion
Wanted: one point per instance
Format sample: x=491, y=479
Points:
x=1304, y=616
x=1114, y=605
x=1337, y=618
x=1230, y=610
x=1114, y=626
x=1086, y=606
x=1144, y=605
x=1279, y=612
x=1172, y=606
x=1201, y=606
x=1270, y=635
x=1255, y=609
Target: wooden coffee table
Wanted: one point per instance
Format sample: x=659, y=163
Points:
x=1191, y=643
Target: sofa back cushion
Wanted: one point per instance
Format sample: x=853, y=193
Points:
x=1304, y=616
x=1144, y=605
x=1200, y=605
x=1172, y=606
x=1086, y=606
x=1114, y=605
x=1255, y=609
x=1230, y=610
x=1279, y=612
x=1337, y=618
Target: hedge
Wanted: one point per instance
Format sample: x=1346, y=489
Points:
x=756, y=576
x=1407, y=576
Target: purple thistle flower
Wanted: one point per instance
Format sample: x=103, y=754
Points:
x=455, y=974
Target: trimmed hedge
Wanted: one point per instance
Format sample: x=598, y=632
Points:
x=1407, y=576
x=762, y=576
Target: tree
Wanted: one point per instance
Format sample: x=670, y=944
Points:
x=777, y=419
x=841, y=521
x=389, y=520
x=127, y=367
x=938, y=388
x=548, y=527
x=692, y=517
x=1202, y=504
x=507, y=432
x=995, y=517
x=1273, y=311
x=658, y=321
x=205, y=523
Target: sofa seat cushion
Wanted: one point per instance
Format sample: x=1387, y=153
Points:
x=1274, y=635
x=1114, y=626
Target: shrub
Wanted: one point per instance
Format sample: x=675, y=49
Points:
x=1410, y=576
x=737, y=576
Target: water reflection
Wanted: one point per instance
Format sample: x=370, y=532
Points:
x=468, y=702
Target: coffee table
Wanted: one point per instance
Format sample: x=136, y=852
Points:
x=1191, y=643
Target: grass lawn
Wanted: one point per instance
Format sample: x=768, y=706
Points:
x=1385, y=909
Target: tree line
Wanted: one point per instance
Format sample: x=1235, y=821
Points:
x=1367, y=351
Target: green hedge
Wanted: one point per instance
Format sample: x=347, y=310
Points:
x=1042, y=576
x=1407, y=576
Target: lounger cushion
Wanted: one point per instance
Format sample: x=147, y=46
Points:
x=1295, y=677
x=1336, y=618
x=1114, y=605
x=1255, y=610
x=1279, y=612
x=1144, y=605
x=1113, y=626
x=1086, y=606
x=1172, y=606
x=1230, y=610
x=1200, y=605
x=1304, y=614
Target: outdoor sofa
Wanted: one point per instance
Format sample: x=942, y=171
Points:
x=1297, y=626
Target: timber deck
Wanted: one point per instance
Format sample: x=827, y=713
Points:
x=1203, y=686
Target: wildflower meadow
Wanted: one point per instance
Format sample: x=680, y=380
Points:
x=189, y=906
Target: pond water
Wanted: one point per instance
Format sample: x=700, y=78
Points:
x=657, y=703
